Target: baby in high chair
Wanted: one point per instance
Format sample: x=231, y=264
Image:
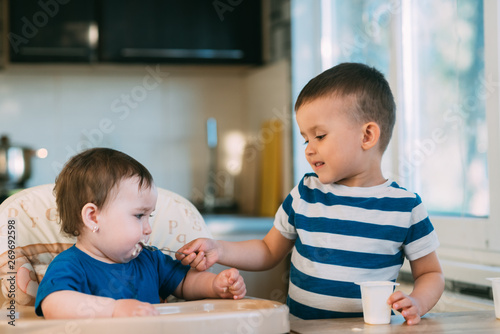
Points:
x=105, y=198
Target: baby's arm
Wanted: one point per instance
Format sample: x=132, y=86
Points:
x=198, y=285
x=253, y=255
x=428, y=288
x=67, y=304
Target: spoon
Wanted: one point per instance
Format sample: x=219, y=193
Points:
x=153, y=248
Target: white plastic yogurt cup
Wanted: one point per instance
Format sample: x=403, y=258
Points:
x=495, y=286
x=374, y=295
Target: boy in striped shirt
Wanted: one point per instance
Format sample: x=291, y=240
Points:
x=345, y=222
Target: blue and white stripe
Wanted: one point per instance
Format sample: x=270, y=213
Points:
x=345, y=235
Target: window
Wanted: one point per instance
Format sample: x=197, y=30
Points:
x=330, y=32
x=443, y=102
x=441, y=59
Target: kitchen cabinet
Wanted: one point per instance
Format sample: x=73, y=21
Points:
x=3, y=33
x=131, y=31
x=181, y=31
x=52, y=31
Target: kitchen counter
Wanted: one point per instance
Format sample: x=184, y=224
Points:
x=227, y=225
x=476, y=322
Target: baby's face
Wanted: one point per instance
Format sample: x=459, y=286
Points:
x=333, y=140
x=124, y=221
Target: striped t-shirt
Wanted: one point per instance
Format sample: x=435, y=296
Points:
x=345, y=235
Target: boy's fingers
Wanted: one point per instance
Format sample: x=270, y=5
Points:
x=200, y=262
x=187, y=259
x=191, y=247
x=202, y=266
x=194, y=260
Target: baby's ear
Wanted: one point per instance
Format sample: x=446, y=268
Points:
x=371, y=135
x=89, y=215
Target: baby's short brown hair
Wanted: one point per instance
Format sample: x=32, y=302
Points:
x=89, y=177
x=373, y=97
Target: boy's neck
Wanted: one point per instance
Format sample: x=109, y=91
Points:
x=369, y=178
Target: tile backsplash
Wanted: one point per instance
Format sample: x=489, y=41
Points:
x=155, y=113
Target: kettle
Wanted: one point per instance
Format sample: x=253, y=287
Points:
x=15, y=165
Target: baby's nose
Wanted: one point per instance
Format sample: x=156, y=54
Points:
x=147, y=228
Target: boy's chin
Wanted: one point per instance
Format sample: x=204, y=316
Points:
x=325, y=179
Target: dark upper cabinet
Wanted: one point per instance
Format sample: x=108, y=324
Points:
x=51, y=31
x=199, y=31
x=131, y=31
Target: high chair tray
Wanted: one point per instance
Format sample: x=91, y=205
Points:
x=247, y=315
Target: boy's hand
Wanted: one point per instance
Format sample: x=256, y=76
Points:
x=202, y=253
x=407, y=305
x=230, y=284
x=133, y=308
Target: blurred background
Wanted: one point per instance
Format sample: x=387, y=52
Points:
x=202, y=94
x=185, y=88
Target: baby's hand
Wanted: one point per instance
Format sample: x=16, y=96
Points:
x=230, y=284
x=133, y=308
x=408, y=307
x=202, y=253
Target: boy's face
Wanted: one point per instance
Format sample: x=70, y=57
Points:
x=333, y=140
x=124, y=221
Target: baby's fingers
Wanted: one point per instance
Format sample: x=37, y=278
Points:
x=145, y=309
x=236, y=284
x=232, y=275
x=238, y=289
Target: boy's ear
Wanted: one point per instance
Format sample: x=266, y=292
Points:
x=89, y=215
x=371, y=135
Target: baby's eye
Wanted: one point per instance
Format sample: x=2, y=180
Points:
x=320, y=137
x=139, y=216
x=306, y=142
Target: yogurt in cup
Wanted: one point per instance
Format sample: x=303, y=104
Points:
x=495, y=286
x=374, y=295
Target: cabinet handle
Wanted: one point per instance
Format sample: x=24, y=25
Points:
x=56, y=51
x=183, y=53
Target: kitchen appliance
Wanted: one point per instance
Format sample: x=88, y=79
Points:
x=218, y=194
x=15, y=167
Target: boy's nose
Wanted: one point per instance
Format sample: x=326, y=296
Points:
x=309, y=149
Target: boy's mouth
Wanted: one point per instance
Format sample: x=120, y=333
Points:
x=318, y=164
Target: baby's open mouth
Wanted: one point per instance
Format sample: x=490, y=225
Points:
x=317, y=164
x=137, y=250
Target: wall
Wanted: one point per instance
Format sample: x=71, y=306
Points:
x=155, y=113
x=268, y=97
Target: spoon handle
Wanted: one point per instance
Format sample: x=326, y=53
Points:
x=153, y=248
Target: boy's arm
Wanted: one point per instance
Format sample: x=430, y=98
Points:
x=252, y=255
x=67, y=304
x=428, y=288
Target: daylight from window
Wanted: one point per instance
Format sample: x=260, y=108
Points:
x=432, y=53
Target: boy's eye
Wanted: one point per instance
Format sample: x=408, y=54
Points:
x=320, y=137
x=306, y=142
x=139, y=216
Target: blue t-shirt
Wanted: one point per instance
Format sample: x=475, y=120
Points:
x=146, y=278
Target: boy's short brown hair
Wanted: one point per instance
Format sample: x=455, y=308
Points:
x=89, y=177
x=373, y=97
